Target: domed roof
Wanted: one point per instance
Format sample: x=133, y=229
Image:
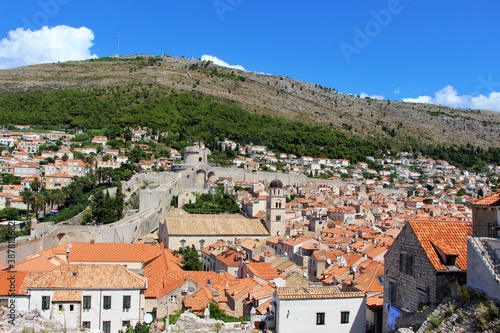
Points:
x=276, y=184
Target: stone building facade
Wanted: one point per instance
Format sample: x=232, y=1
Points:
x=426, y=258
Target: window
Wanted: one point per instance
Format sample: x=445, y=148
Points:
x=392, y=292
x=183, y=243
x=173, y=298
x=278, y=217
x=202, y=244
x=126, y=323
x=406, y=263
x=320, y=318
x=126, y=302
x=344, y=317
x=86, y=324
x=106, y=326
x=71, y=307
x=86, y=302
x=61, y=308
x=45, y=302
x=106, y=304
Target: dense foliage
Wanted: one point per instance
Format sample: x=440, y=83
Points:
x=193, y=116
x=217, y=313
x=190, y=258
x=212, y=204
x=106, y=209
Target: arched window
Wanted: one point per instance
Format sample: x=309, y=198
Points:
x=278, y=217
x=278, y=204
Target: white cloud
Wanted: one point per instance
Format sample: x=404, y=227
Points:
x=363, y=95
x=448, y=96
x=397, y=91
x=59, y=43
x=220, y=62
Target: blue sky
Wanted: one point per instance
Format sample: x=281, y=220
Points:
x=445, y=52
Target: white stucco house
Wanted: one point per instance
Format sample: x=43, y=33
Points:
x=97, y=296
x=318, y=309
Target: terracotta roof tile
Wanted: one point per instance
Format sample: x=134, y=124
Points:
x=200, y=224
x=38, y=264
x=262, y=309
x=449, y=235
x=18, y=278
x=230, y=257
x=67, y=296
x=198, y=301
x=263, y=270
x=294, y=293
x=375, y=301
x=113, y=252
x=368, y=281
x=489, y=200
x=241, y=288
x=89, y=276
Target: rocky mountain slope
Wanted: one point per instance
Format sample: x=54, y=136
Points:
x=272, y=95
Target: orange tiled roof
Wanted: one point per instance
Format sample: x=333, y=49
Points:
x=335, y=272
x=367, y=281
x=90, y=276
x=67, y=296
x=156, y=269
x=376, y=251
x=263, y=308
x=375, y=301
x=293, y=293
x=230, y=258
x=451, y=234
x=5, y=285
x=264, y=270
x=489, y=200
x=198, y=301
x=37, y=264
x=113, y=252
x=241, y=288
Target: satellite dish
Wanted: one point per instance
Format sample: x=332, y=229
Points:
x=329, y=261
x=148, y=318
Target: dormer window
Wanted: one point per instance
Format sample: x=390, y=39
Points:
x=447, y=254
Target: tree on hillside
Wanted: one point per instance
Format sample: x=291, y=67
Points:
x=106, y=209
x=28, y=198
x=36, y=185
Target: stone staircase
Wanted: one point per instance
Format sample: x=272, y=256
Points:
x=491, y=260
x=492, y=257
